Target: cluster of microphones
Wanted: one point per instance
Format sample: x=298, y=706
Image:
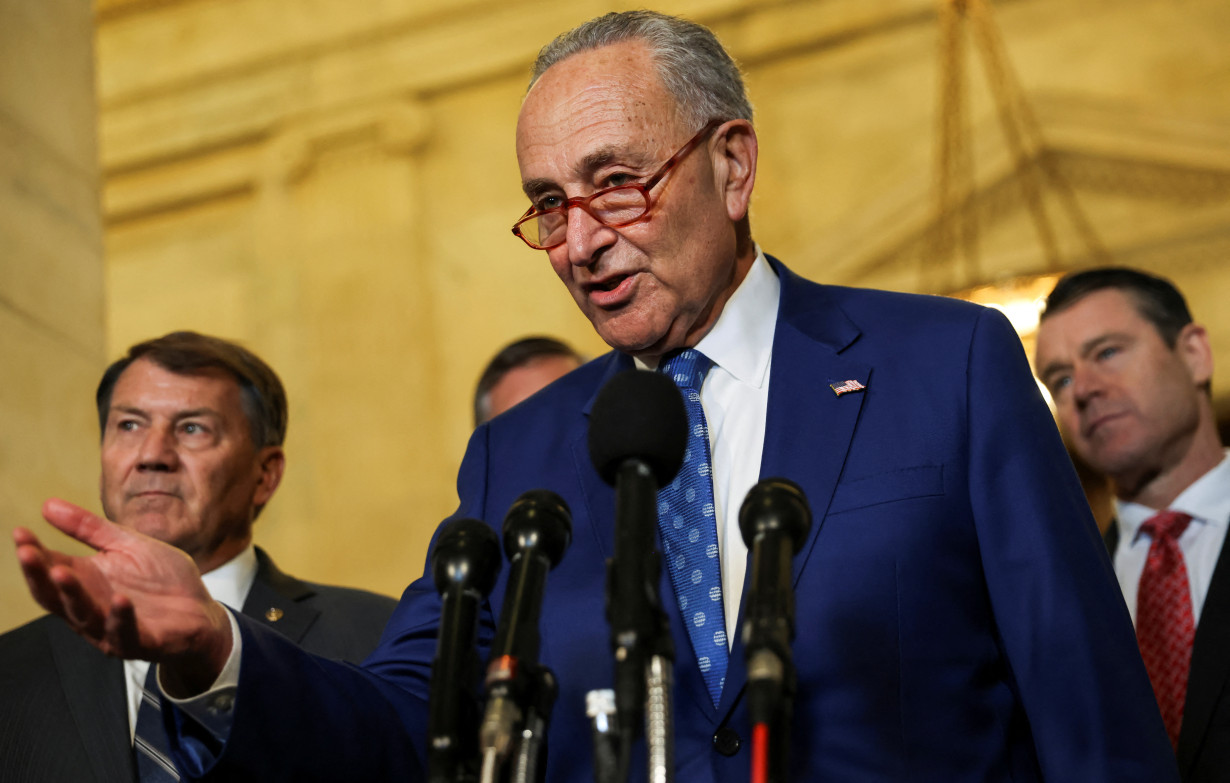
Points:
x=492, y=728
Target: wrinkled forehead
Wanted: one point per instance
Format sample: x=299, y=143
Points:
x=607, y=97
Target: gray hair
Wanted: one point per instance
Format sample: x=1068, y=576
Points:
x=690, y=61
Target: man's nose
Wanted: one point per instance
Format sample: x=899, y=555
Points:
x=158, y=449
x=586, y=236
x=1086, y=384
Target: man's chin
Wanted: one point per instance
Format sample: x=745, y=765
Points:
x=628, y=335
x=155, y=523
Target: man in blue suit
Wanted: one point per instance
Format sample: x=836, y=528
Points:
x=957, y=616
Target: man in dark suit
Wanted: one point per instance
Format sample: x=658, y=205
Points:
x=957, y=616
x=192, y=431
x=1130, y=375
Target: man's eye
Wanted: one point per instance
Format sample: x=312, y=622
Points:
x=1108, y=352
x=192, y=428
x=127, y=425
x=620, y=179
x=548, y=202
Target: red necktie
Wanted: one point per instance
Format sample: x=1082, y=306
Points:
x=1165, y=626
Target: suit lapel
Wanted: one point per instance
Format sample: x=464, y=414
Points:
x=276, y=600
x=809, y=425
x=1210, y=669
x=97, y=700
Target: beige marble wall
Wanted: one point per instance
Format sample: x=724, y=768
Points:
x=51, y=277
x=335, y=189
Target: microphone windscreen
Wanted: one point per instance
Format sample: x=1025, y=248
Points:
x=638, y=415
x=779, y=504
x=467, y=555
x=540, y=519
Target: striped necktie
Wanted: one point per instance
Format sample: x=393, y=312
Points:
x=149, y=745
x=689, y=530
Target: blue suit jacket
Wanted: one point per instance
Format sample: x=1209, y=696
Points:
x=957, y=615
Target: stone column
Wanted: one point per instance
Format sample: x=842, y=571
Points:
x=51, y=276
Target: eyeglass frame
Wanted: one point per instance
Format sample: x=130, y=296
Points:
x=643, y=187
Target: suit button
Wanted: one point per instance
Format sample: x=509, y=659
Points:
x=726, y=741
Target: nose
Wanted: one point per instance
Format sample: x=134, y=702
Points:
x=157, y=450
x=1085, y=384
x=586, y=237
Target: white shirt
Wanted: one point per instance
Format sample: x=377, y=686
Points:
x=229, y=583
x=1207, y=500
x=735, y=396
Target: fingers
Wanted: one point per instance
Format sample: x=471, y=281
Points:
x=35, y=567
x=80, y=610
x=80, y=524
x=120, y=636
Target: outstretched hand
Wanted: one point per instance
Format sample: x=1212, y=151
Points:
x=136, y=597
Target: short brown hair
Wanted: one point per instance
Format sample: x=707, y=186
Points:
x=187, y=353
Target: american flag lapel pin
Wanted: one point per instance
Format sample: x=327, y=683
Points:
x=845, y=387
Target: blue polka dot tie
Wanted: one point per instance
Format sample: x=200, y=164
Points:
x=689, y=530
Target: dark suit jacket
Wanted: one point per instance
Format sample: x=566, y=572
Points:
x=958, y=619
x=63, y=705
x=1204, y=737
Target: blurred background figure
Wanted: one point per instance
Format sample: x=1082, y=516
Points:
x=518, y=370
x=1130, y=374
x=192, y=432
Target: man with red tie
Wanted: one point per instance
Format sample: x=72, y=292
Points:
x=1130, y=374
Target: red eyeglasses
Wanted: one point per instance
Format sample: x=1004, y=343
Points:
x=622, y=205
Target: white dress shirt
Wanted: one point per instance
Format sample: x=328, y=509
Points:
x=735, y=396
x=229, y=583
x=1207, y=500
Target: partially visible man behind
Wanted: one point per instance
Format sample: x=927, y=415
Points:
x=518, y=370
x=192, y=432
x=1130, y=374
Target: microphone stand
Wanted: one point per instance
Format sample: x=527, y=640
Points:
x=532, y=745
x=774, y=521
x=640, y=629
x=659, y=719
x=637, y=438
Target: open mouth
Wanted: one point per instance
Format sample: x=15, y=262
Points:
x=610, y=284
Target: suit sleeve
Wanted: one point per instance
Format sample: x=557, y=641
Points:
x=1062, y=622
x=300, y=717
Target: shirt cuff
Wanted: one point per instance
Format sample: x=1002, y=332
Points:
x=214, y=708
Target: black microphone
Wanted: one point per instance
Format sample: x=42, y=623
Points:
x=774, y=520
x=537, y=532
x=637, y=436
x=464, y=565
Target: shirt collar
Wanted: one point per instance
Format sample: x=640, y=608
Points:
x=230, y=582
x=741, y=342
x=1205, y=500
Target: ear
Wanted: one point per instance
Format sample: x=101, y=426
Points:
x=272, y=461
x=734, y=152
x=1193, y=348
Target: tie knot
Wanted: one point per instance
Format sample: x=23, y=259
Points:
x=687, y=368
x=1166, y=523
